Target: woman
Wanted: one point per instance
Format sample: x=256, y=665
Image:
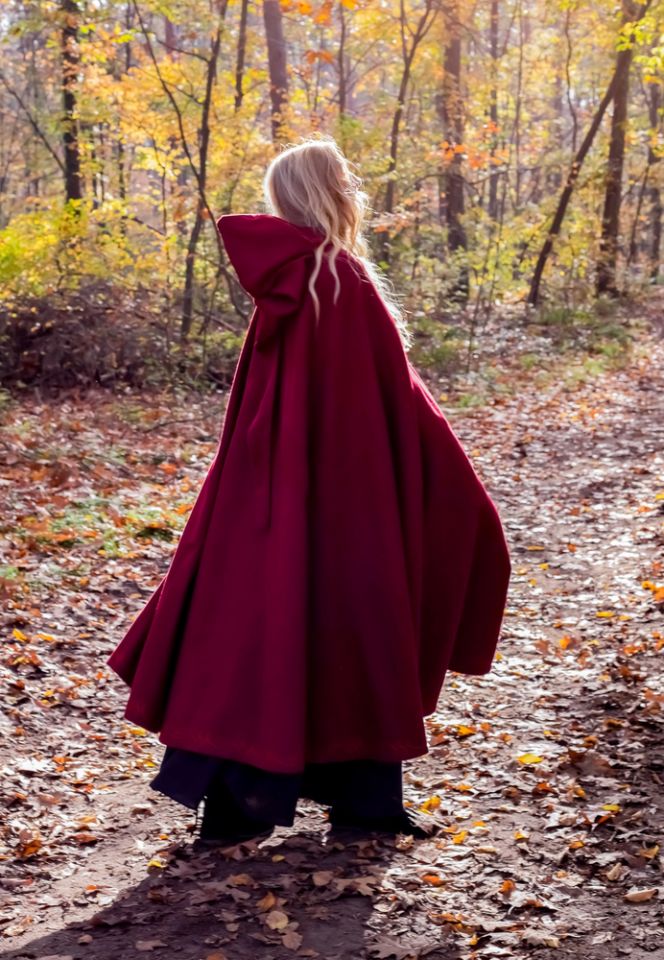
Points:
x=341, y=556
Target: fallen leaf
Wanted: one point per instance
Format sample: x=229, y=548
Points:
x=640, y=896
x=292, y=940
x=267, y=902
x=277, y=920
x=433, y=880
x=529, y=758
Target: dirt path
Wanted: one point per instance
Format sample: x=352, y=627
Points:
x=547, y=776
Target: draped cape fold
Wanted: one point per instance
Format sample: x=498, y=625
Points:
x=342, y=553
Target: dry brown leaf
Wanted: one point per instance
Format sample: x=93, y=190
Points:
x=640, y=896
x=267, y=902
x=292, y=940
x=614, y=872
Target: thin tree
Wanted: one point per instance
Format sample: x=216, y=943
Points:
x=277, y=66
x=573, y=174
x=199, y=169
x=241, y=55
x=654, y=193
x=69, y=82
x=410, y=42
x=493, y=108
x=341, y=67
x=608, y=245
x=451, y=113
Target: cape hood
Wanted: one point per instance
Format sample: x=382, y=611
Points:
x=258, y=245
x=342, y=554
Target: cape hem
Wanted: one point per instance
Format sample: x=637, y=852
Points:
x=389, y=752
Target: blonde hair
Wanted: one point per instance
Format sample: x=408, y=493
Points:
x=311, y=184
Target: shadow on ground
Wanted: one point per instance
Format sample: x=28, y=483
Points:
x=304, y=895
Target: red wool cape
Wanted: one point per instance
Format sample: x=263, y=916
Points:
x=342, y=553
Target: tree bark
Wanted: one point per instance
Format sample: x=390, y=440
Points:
x=493, y=109
x=201, y=205
x=341, y=65
x=277, y=65
x=70, y=130
x=451, y=113
x=654, y=193
x=621, y=65
x=408, y=55
x=608, y=245
x=241, y=55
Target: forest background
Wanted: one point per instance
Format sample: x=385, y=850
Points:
x=510, y=148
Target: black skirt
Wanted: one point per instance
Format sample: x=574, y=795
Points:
x=362, y=788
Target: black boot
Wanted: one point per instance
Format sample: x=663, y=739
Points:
x=225, y=823
x=409, y=824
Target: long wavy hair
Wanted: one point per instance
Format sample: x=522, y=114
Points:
x=312, y=184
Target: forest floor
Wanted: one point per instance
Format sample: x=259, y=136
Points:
x=546, y=776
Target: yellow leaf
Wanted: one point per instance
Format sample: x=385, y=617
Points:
x=605, y=613
x=277, y=920
x=528, y=758
x=466, y=731
x=431, y=804
x=460, y=836
x=614, y=807
x=18, y=634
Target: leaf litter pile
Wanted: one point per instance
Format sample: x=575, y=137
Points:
x=545, y=778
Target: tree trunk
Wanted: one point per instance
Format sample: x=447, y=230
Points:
x=201, y=205
x=572, y=176
x=70, y=67
x=654, y=193
x=608, y=246
x=518, y=108
x=450, y=111
x=277, y=64
x=341, y=66
x=241, y=54
x=408, y=56
x=454, y=130
x=493, y=109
